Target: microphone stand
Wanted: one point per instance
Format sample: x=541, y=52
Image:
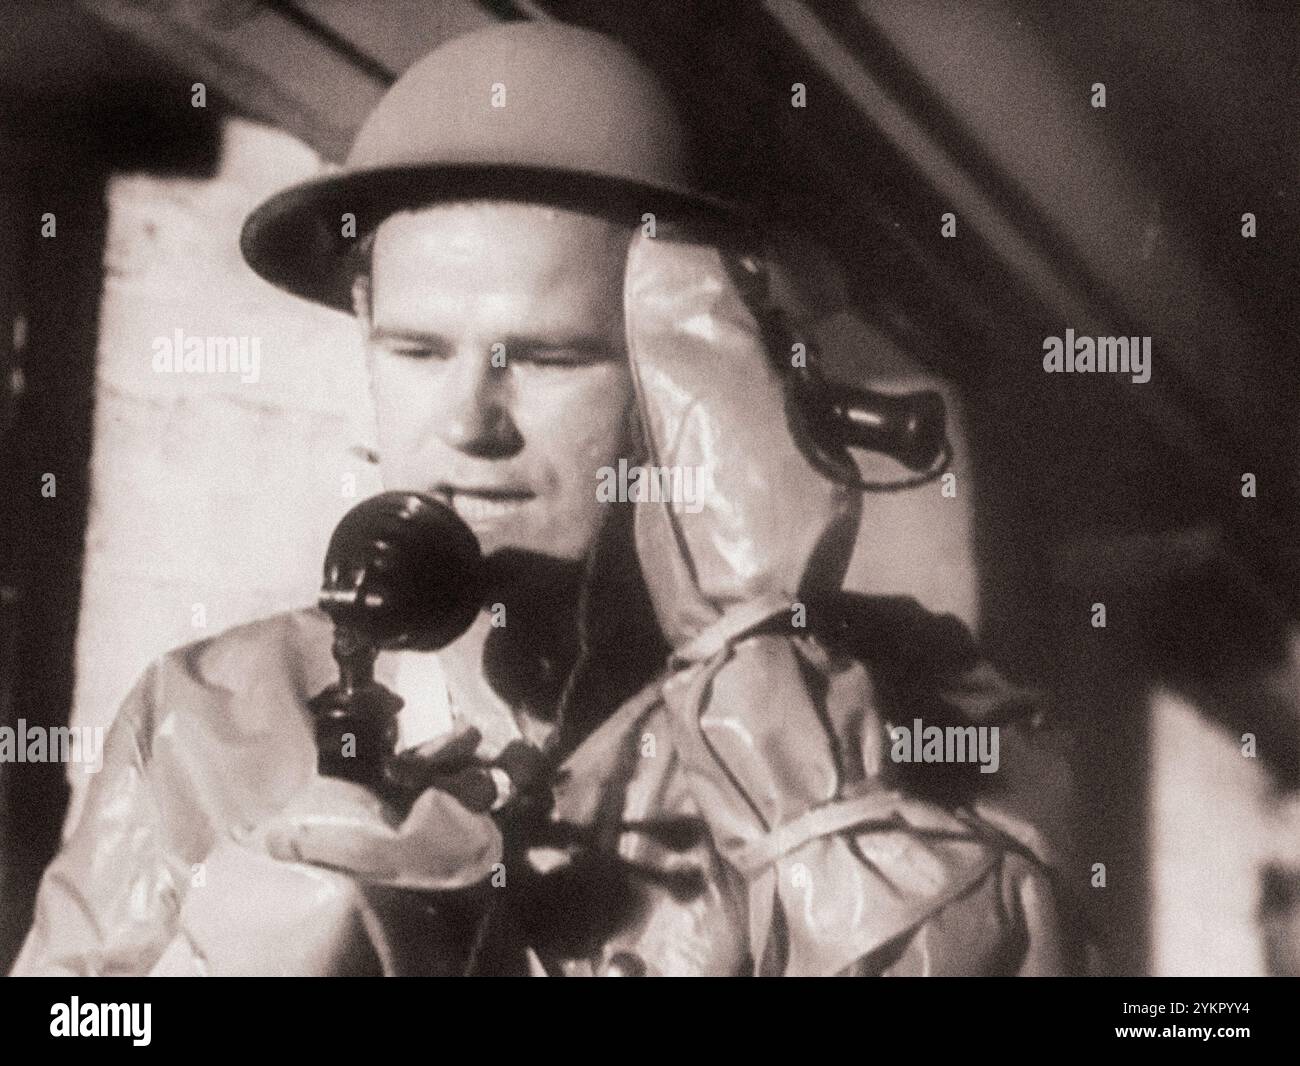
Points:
x=356, y=718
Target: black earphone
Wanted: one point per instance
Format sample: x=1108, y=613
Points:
x=829, y=418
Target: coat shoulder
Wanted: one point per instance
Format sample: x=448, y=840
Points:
x=229, y=712
x=296, y=642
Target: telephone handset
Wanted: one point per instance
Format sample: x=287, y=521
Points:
x=401, y=571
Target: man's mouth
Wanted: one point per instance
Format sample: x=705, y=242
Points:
x=477, y=505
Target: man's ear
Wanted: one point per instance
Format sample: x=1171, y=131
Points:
x=361, y=302
x=361, y=305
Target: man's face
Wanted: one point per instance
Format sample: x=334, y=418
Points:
x=498, y=368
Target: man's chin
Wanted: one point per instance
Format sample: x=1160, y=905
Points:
x=511, y=566
x=543, y=542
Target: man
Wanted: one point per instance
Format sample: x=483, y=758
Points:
x=589, y=805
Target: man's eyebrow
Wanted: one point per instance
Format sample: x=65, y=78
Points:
x=593, y=344
x=587, y=343
x=397, y=333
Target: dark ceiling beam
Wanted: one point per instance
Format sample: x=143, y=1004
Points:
x=313, y=68
x=257, y=60
x=365, y=64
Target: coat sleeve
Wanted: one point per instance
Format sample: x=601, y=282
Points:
x=908, y=889
x=108, y=903
x=148, y=884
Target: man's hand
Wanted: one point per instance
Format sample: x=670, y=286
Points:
x=290, y=895
x=446, y=841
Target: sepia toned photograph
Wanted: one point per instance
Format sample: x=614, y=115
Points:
x=690, y=488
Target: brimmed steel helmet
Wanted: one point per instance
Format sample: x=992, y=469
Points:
x=521, y=111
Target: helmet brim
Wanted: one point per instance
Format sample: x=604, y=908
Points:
x=295, y=240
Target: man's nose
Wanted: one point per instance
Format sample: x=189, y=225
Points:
x=473, y=407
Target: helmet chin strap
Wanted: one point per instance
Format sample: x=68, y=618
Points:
x=558, y=740
x=610, y=580
x=554, y=750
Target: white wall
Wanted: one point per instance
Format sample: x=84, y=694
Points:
x=207, y=490
x=1214, y=823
